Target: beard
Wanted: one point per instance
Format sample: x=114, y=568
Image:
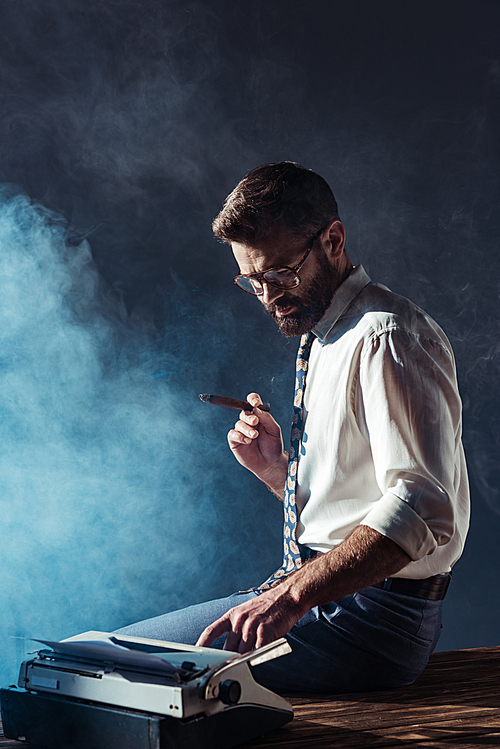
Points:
x=311, y=305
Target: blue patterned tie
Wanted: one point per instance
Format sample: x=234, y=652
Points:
x=291, y=552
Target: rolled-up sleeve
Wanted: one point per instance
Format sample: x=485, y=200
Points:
x=410, y=412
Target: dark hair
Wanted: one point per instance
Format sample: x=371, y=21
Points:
x=270, y=195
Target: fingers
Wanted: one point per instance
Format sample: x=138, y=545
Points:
x=261, y=638
x=256, y=444
x=246, y=428
x=213, y=631
x=250, y=638
x=239, y=642
x=235, y=641
x=242, y=434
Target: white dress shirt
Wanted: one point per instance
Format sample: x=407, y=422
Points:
x=382, y=435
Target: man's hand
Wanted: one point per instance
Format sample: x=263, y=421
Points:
x=257, y=444
x=256, y=622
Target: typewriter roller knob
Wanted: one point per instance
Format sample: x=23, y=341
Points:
x=229, y=691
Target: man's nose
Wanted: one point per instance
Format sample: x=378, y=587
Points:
x=270, y=293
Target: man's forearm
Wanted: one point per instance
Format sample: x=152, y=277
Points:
x=364, y=558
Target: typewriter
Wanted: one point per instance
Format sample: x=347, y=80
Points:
x=103, y=691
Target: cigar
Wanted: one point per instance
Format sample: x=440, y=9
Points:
x=221, y=400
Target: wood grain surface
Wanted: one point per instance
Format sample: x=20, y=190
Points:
x=455, y=703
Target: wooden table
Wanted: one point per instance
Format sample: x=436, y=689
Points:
x=455, y=703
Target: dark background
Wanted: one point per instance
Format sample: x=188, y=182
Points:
x=131, y=121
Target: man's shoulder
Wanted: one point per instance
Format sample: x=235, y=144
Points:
x=377, y=311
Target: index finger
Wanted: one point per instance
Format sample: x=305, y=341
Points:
x=213, y=631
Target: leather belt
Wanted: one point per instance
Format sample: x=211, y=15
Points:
x=432, y=588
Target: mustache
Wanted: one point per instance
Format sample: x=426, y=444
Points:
x=282, y=303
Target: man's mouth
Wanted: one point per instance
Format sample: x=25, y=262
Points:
x=283, y=308
x=282, y=311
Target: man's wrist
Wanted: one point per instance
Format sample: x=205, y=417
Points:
x=291, y=596
x=295, y=588
x=275, y=477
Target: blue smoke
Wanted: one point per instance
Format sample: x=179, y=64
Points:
x=110, y=474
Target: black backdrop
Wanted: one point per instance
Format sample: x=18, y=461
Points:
x=129, y=122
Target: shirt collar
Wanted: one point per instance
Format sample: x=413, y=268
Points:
x=343, y=296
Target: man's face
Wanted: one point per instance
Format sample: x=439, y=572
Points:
x=296, y=311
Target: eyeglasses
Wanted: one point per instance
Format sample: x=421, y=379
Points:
x=281, y=278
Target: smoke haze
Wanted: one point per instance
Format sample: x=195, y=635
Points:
x=110, y=474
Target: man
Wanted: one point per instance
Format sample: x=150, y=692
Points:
x=376, y=503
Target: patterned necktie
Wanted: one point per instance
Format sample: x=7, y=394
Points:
x=291, y=552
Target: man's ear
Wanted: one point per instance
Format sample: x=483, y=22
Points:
x=334, y=239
